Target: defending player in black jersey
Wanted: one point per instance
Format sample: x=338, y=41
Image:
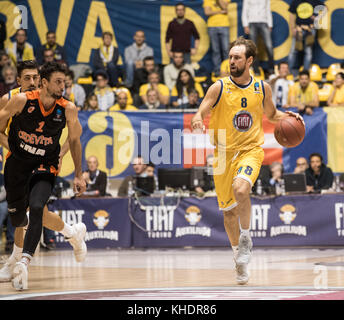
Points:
x=38, y=118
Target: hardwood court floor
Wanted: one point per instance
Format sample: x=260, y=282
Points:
x=198, y=270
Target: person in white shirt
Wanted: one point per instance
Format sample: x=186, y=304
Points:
x=171, y=71
x=280, y=85
x=257, y=20
x=104, y=93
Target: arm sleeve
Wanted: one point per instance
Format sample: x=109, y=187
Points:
x=101, y=183
x=195, y=33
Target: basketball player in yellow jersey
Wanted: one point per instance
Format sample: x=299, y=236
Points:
x=237, y=104
x=28, y=78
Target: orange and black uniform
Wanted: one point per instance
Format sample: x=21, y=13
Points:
x=32, y=162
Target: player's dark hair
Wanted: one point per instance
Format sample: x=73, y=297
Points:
x=49, y=68
x=251, y=48
x=304, y=73
x=316, y=154
x=28, y=64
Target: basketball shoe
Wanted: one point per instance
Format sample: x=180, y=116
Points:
x=242, y=258
x=20, y=276
x=78, y=242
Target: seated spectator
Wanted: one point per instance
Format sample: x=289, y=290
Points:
x=171, y=71
x=318, y=175
x=134, y=55
x=96, y=179
x=185, y=83
x=154, y=83
x=9, y=74
x=126, y=90
x=122, y=103
x=4, y=61
x=304, y=94
x=280, y=85
x=75, y=92
x=276, y=170
x=48, y=56
x=141, y=75
x=148, y=172
x=193, y=100
x=20, y=50
x=139, y=166
x=336, y=98
x=152, y=101
x=91, y=103
x=59, y=53
x=301, y=165
x=106, y=59
x=105, y=94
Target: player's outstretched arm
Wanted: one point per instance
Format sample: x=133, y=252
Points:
x=270, y=110
x=12, y=107
x=208, y=102
x=74, y=134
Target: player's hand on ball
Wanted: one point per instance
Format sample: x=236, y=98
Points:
x=79, y=185
x=296, y=115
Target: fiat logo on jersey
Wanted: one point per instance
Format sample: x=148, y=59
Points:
x=242, y=121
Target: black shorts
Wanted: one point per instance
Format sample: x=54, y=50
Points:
x=20, y=176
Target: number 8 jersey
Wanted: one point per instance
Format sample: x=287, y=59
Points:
x=236, y=117
x=35, y=133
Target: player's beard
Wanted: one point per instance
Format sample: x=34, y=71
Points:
x=237, y=72
x=54, y=95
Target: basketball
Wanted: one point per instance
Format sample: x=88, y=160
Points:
x=289, y=132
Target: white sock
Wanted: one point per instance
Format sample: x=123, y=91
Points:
x=16, y=254
x=67, y=231
x=245, y=232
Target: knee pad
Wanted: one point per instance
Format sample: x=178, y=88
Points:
x=17, y=213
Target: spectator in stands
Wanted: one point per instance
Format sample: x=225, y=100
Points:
x=139, y=167
x=318, y=175
x=193, y=100
x=185, y=83
x=126, y=90
x=218, y=29
x=280, y=85
x=122, y=103
x=48, y=55
x=257, y=20
x=141, y=75
x=9, y=74
x=154, y=83
x=91, y=103
x=20, y=50
x=3, y=34
x=171, y=71
x=4, y=61
x=106, y=59
x=134, y=55
x=336, y=98
x=96, y=180
x=301, y=165
x=301, y=22
x=180, y=31
x=153, y=101
x=304, y=94
x=75, y=92
x=105, y=95
x=59, y=52
x=276, y=170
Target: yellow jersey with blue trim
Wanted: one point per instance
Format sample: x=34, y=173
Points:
x=237, y=115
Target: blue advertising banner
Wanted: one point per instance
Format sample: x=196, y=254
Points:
x=300, y=220
x=80, y=23
x=107, y=221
